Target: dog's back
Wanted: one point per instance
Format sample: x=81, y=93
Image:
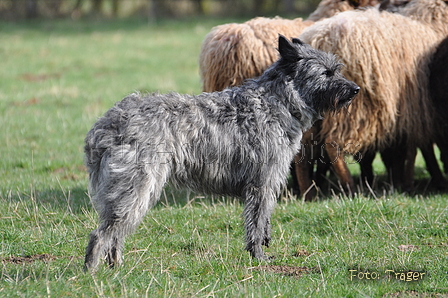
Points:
x=209, y=142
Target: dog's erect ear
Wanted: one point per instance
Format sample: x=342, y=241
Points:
x=288, y=50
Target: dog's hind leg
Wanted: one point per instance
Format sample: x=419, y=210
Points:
x=258, y=208
x=122, y=200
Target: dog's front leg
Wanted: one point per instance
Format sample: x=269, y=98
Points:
x=259, y=204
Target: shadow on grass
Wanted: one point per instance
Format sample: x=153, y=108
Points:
x=77, y=200
x=381, y=186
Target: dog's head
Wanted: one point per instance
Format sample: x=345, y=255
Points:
x=315, y=76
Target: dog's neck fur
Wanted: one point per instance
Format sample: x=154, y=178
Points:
x=302, y=115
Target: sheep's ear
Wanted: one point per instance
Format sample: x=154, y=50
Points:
x=287, y=49
x=297, y=41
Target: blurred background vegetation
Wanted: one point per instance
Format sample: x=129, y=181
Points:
x=17, y=10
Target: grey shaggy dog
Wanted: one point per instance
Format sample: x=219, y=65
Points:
x=237, y=142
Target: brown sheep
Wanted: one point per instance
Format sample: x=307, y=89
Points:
x=232, y=53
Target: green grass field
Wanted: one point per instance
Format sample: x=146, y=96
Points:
x=58, y=77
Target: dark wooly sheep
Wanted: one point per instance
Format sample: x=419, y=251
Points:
x=438, y=88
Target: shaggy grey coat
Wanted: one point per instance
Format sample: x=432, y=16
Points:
x=238, y=142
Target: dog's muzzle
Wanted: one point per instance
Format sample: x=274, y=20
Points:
x=345, y=99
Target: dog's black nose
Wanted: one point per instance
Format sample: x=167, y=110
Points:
x=356, y=90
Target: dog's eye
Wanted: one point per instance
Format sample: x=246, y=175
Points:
x=327, y=73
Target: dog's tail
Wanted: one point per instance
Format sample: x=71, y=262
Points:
x=96, y=160
x=104, y=143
